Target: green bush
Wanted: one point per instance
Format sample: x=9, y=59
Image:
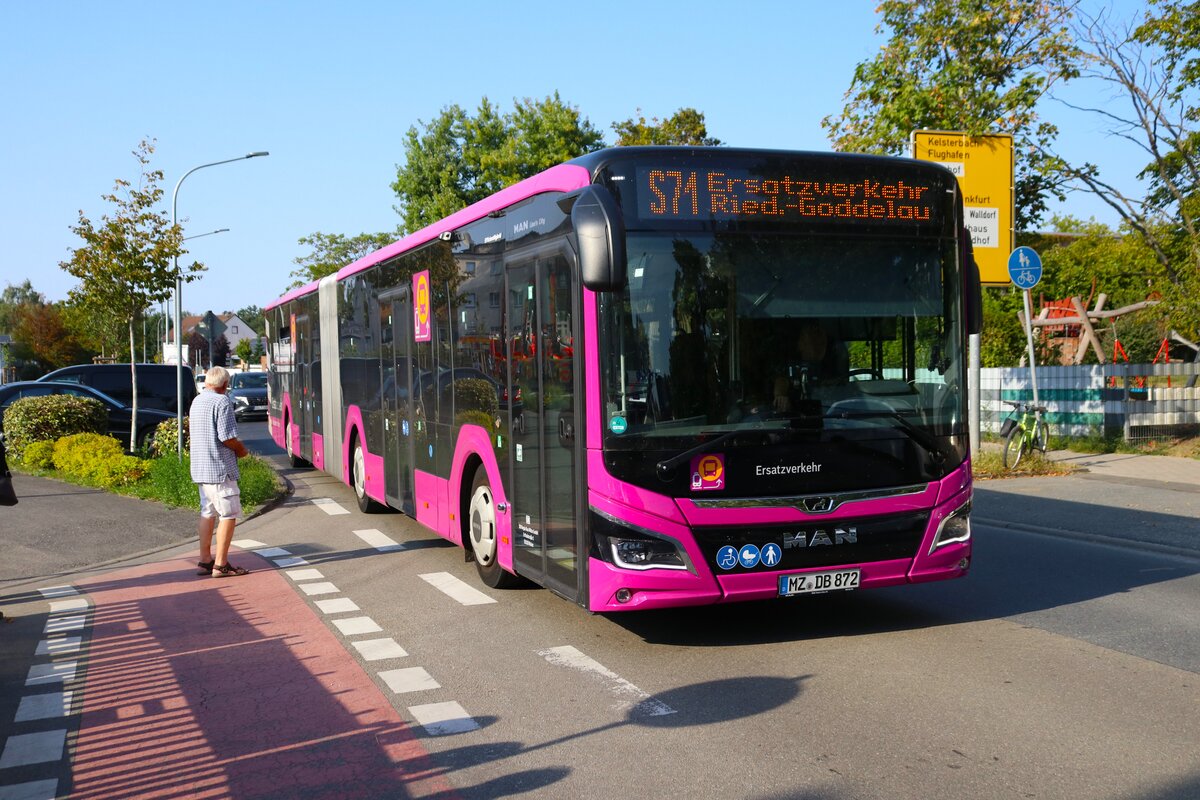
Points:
x=258, y=482
x=39, y=455
x=50, y=417
x=473, y=417
x=165, y=440
x=171, y=478
x=476, y=394
x=98, y=460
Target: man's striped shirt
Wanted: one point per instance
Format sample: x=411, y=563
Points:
x=212, y=422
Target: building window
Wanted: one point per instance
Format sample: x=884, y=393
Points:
x=493, y=299
x=497, y=267
x=469, y=300
x=469, y=268
x=233, y=328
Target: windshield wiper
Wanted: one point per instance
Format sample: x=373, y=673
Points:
x=921, y=437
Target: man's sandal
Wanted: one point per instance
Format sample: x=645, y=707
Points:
x=228, y=571
x=206, y=567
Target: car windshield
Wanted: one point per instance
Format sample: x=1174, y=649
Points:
x=825, y=337
x=249, y=380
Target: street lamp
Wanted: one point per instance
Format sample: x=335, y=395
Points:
x=179, y=299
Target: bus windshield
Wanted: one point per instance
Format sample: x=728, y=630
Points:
x=814, y=337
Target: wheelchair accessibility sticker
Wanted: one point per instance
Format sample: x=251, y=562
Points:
x=708, y=472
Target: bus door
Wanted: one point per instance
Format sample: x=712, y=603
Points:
x=302, y=401
x=396, y=398
x=542, y=319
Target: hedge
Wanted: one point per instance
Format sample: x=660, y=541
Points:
x=50, y=417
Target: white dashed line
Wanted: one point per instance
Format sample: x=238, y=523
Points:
x=352, y=626
x=409, y=679
x=33, y=748
x=325, y=587
x=379, y=649
x=304, y=574
x=441, y=719
x=629, y=695
x=379, y=540
x=54, y=647
x=51, y=673
x=338, y=605
x=248, y=544
x=74, y=604
x=43, y=706
x=272, y=552
x=64, y=624
x=35, y=790
x=57, y=591
x=329, y=506
x=294, y=561
x=458, y=590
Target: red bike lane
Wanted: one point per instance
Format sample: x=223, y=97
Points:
x=230, y=688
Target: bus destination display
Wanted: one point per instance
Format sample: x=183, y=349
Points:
x=731, y=194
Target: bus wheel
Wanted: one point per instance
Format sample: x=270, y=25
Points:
x=481, y=521
x=293, y=459
x=358, y=471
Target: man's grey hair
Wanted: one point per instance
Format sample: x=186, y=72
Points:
x=216, y=377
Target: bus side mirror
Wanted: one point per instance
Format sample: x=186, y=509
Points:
x=972, y=288
x=600, y=238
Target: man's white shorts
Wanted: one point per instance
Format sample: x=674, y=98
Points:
x=223, y=500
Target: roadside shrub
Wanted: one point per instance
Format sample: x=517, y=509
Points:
x=40, y=419
x=39, y=455
x=98, y=460
x=172, y=481
x=476, y=394
x=473, y=417
x=165, y=440
x=258, y=482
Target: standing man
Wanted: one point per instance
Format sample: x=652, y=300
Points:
x=215, y=450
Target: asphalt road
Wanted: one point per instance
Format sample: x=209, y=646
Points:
x=1064, y=666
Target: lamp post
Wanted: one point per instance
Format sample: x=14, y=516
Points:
x=179, y=299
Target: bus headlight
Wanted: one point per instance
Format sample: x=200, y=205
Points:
x=954, y=528
x=629, y=547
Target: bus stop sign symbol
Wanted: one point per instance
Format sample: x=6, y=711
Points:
x=421, y=329
x=1025, y=267
x=708, y=472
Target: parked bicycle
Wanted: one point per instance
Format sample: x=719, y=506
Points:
x=1024, y=433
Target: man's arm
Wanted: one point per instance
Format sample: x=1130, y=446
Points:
x=236, y=446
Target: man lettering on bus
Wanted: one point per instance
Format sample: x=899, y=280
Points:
x=215, y=450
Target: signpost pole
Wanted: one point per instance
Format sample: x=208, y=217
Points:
x=1025, y=270
x=1029, y=339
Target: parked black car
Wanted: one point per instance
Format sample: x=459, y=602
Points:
x=118, y=413
x=248, y=390
x=156, y=383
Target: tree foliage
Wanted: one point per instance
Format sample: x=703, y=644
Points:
x=1154, y=68
x=977, y=66
x=125, y=263
x=330, y=252
x=458, y=159
x=43, y=330
x=685, y=127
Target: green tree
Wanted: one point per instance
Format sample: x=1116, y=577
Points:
x=330, y=252
x=43, y=332
x=685, y=127
x=1154, y=68
x=458, y=159
x=253, y=316
x=244, y=350
x=125, y=263
x=977, y=66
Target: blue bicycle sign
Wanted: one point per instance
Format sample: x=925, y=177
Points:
x=1025, y=267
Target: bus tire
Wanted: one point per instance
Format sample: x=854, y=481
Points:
x=293, y=459
x=358, y=476
x=481, y=534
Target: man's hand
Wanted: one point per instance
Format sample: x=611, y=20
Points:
x=237, y=447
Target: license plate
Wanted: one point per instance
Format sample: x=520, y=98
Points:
x=834, y=580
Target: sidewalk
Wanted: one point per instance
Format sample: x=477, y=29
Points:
x=1182, y=474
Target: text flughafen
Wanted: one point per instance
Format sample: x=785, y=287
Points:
x=684, y=194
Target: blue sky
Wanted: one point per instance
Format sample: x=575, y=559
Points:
x=330, y=89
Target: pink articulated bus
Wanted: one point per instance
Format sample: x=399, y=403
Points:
x=658, y=376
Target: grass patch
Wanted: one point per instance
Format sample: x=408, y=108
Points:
x=990, y=464
x=169, y=481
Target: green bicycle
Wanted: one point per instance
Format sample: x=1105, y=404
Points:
x=1024, y=433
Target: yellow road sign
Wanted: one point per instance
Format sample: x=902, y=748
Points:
x=984, y=168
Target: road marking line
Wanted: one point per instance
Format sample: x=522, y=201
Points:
x=379, y=540
x=459, y=590
x=248, y=544
x=53, y=647
x=304, y=574
x=441, y=719
x=379, y=649
x=630, y=695
x=63, y=671
x=33, y=748
x=43, y=706
x=329, y=506
x=319, y=588
x=74, y=604
x=352, y=626
x=338, y=605
x=294, y=561
x=64, y=624
x=272, y=552
x=409, y=679
x=58, y=591
x=34, y=790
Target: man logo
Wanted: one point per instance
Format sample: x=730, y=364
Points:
x=819, y=538
x=817, y=505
